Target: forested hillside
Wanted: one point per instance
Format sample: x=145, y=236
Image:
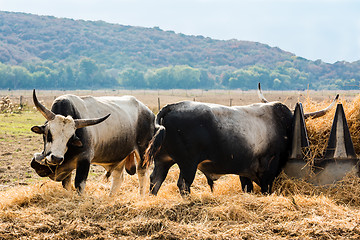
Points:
x=48, y=52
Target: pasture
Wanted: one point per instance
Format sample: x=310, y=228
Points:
x=32, y=207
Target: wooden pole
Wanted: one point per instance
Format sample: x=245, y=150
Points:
x=21, y=102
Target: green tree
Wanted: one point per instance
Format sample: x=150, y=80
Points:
x=88, y=66
x=132, y=78
x=22, y=77
x=87, y=69
x=249, y=77
x=174, y=77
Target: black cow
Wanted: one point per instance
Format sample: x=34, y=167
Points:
x=251, y=141
x=71, y=142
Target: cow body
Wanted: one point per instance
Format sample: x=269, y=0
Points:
x=250, y=141
x=110, y=143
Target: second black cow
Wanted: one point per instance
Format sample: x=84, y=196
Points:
x=251, y=141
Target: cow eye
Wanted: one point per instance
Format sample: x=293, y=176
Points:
x=49, y=137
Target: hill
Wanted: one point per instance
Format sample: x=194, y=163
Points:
x=49, y=52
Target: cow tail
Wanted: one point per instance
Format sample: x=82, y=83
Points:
x=160, y=116
x=155, y=145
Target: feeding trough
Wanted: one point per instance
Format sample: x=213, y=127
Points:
x=339, y=158
x=297, y=166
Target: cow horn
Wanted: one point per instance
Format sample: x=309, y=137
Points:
x=323, y=111
x=49, y=115
x=80, y=123
x=261, y=96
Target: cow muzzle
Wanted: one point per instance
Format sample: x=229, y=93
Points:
x=41, y=169
x=54, y=160
x=39, y=158
x=50, y=159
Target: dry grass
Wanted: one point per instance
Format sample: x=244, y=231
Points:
x=296, y=209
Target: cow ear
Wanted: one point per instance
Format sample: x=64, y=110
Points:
x=75, y=141
x=38, y=129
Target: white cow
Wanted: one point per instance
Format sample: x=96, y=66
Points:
x=106, y=131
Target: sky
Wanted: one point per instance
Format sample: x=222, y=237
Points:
x=314, y=29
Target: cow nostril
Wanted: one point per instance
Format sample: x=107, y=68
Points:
x=56, y=160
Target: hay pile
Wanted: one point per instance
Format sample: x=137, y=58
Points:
x=46, y=211
x=346, y=191
x=319, y=128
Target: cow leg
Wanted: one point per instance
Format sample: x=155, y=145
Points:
x=66, y=183
x=210, y=182
x=266, y=187
x=268, y=177
x=82, y=172
x=157, y=177
x=186, y=178
x=142, y=171
x=117, y=177
x=246, y=184
x=266, y=182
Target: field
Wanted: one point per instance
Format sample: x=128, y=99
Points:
x=38, y=208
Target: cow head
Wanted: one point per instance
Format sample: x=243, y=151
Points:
x=58, y=132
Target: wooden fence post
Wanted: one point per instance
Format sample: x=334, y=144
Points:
x=21, y=102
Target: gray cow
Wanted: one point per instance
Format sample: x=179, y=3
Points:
x=106, y=131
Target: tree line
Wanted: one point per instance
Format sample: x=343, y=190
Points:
x=87, y=74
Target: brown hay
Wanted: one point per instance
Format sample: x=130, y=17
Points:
x=346, y=191
x=296, y=210
x=319, y=128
